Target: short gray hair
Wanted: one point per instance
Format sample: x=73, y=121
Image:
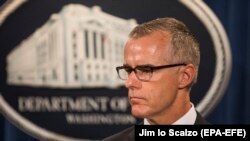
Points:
x=185, y=47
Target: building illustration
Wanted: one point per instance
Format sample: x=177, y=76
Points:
x=77, y=47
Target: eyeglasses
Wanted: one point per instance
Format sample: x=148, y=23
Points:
x=142, y=72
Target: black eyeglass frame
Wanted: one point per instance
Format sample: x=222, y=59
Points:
x=151, y=69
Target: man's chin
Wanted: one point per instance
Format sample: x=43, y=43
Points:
x=138, y=113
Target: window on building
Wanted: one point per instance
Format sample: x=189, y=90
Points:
x=89, y=77
x=76, y=77
x=86, y=43
x=43, y=78
x=74, y=35
x=54, y=74
x=95, y=44
x=97, y=77
x=102, y=46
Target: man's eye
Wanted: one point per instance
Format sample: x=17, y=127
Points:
x=128, y=70
x=145, y=69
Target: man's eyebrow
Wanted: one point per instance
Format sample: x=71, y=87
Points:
x=145, y=65
x=126, y=65
x=142, y=65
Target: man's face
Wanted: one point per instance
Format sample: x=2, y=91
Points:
x=153, y=98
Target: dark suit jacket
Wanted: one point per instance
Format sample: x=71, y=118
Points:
x=128, y=134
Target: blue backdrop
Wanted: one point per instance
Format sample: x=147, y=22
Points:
x=234, y=108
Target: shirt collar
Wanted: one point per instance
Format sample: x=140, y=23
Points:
x=188, y=118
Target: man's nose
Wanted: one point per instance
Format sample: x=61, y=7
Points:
x=132, y=81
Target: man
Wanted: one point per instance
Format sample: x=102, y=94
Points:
x=161, y=61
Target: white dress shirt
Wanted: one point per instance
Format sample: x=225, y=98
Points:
x=187, y=119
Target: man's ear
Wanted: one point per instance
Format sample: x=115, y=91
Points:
x=187, y=75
